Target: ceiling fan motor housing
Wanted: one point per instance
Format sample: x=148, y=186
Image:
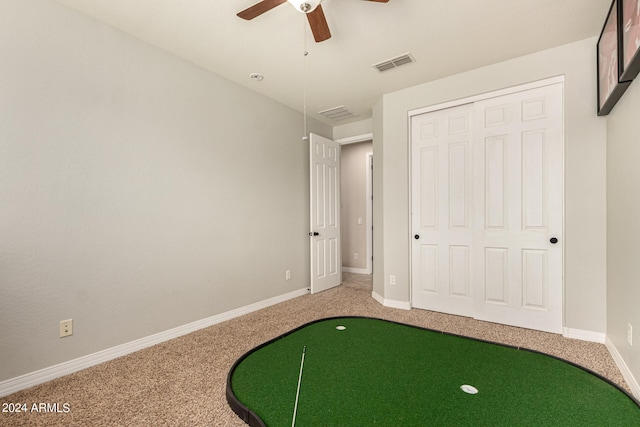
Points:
x=305, y=6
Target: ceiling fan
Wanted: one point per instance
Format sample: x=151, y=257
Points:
x=311, y=8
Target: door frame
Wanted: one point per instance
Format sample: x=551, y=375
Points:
x=472, y=99
x=486, y=95
x=369, y=218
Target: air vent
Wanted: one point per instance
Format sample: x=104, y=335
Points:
x=394, y=62
x=337, y=113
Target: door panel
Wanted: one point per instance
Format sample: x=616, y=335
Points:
x=535, y=282
x=496, y=275
x=458, y=194
x=429, y=187
x=429, y=273
x=495, y=158
x=534, y=194
x=326, y=269
x=459, y=271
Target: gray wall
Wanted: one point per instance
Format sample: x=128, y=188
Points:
x=353, y=192
x=623, y=227
x=349, y=130
x=137, y=192
x=585, y=174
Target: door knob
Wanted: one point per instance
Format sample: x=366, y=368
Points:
x=553, y=240
x=417, y=236
x=314, y=233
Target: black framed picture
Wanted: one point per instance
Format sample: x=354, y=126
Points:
x=610, y=87
x=630, y=44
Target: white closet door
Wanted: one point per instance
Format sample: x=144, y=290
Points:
x=487, y=209
x=518, y=173
x=441, y=223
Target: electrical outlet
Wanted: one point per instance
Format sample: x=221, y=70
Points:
x=287, y=275
x=392, y=279
x=66, y=328
x=629, y=334
x=356, y=256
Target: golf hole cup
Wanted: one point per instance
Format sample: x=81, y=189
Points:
x=469, y=389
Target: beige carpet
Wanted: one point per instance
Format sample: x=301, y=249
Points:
x=182, y=382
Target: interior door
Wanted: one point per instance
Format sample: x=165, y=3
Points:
x=441, y=223
x=326, y=258
x=519, y=223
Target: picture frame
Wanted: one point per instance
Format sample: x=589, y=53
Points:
x=609, y=59
x=630, y=39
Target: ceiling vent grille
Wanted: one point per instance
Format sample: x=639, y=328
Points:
x=394, y=62
x=337, y=113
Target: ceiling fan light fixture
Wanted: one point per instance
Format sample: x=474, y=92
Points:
x=305, y=6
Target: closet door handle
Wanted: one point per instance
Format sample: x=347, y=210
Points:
x=417, y=236
x=553, y=240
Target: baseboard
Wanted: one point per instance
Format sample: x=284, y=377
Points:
x=355, y=270
x=376, y=296
x=624, y=369
x=583, y=335
x=402, y=305
x=31, y=379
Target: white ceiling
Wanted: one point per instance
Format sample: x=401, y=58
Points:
x=444, y=36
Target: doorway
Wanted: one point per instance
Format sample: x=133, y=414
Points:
x=356, y=207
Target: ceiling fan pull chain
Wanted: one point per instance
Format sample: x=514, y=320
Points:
x=304, y=79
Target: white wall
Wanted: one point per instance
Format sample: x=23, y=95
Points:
x=623, y=238
x=585, y=173
x=135, y=189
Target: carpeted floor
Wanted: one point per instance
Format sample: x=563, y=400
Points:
x=182, y=382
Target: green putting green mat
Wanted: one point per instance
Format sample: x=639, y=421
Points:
x=376, y=372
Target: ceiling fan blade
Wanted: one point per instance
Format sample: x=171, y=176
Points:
x=318, y=24
x=259, y=8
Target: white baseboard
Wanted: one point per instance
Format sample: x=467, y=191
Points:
x=355, y=270
x=402, y=305
x=31, y=379
x=376, y=296
x=583, y=335
x=624, y=369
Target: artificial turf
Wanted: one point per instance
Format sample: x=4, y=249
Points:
x=377, y=372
